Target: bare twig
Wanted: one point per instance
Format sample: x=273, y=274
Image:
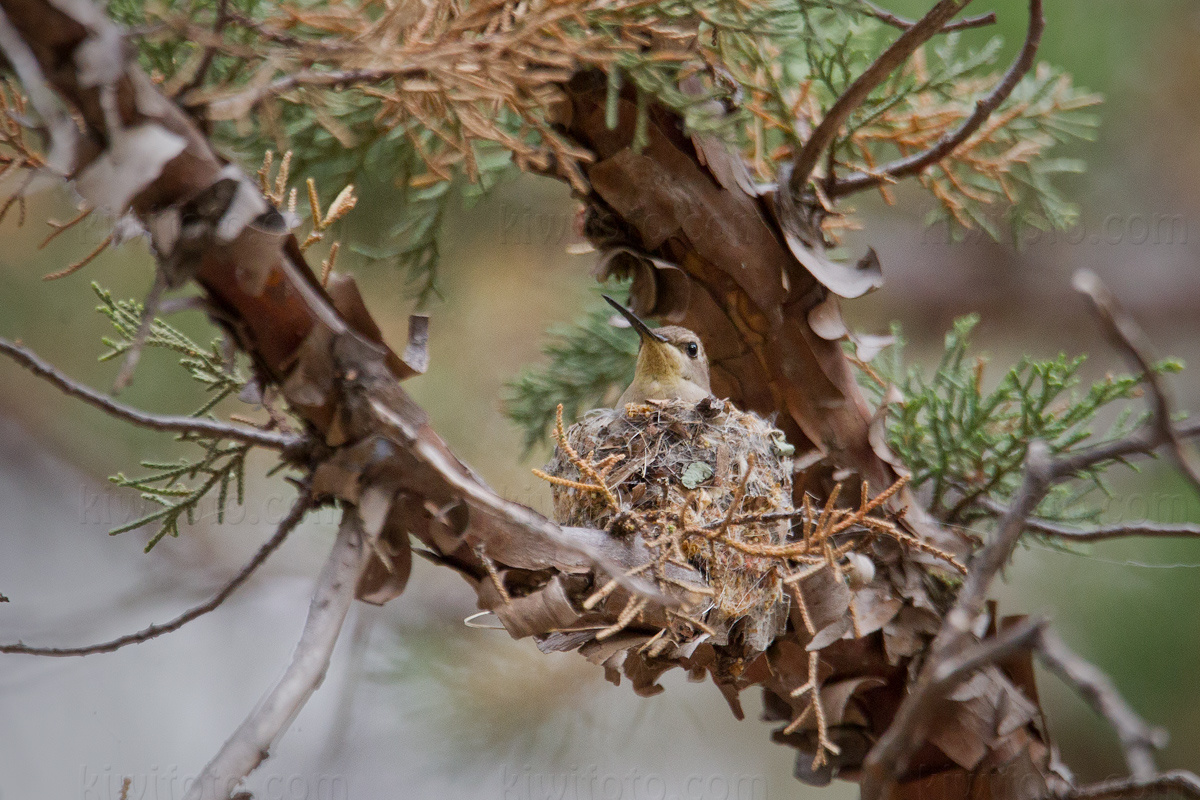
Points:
x=950, y=141
x=856, y=94
x=1178, y=781
x=210, y=52
x=62, y=227
x=1150, y=530
x=1128, y=337
x=1139, y=740
x=1015, y=639
x=1141, y=442
x=71, y=269
x=903, y=24
x=1100, y=533
x=294, y=516
x=992, y=558
x=252, y=741
x=174, y=424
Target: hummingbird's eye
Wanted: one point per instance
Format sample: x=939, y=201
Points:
x=692, y=349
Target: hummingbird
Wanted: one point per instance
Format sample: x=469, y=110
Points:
x=671, y=364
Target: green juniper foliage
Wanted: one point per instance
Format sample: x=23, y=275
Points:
x=965, y=444
x=179, y=487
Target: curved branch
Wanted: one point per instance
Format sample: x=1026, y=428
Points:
x=949, y=142
x=294, y=516
x=1179, y=781
x=1102, y=533
x=1142, y=442
x=856, y=94
x=1126, y=335
x=172, y=424
x=252, y=741
x=903, y=24
x=1139, y=739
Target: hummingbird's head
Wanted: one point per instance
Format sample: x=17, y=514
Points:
x=670, y=357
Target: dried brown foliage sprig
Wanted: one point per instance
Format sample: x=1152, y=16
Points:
x=17, y=151
x=464, y=83
x=276, y=189
x=448, y=76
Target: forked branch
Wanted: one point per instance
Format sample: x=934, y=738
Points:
x=895, y=20
x=952, y=140
x=856, y=94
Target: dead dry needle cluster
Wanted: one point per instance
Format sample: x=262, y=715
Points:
x=16, y=151
x=276, y=190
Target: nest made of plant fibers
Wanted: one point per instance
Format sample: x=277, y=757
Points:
x=672, y=467
x=818, y=604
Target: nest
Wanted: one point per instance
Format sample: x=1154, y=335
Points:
x=671, y=469
x=726, y=576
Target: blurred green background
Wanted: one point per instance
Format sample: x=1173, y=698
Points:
x=416, y=699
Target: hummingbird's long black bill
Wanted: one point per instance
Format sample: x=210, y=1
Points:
x=642, y=328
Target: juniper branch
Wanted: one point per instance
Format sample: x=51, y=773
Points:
x=888, y=62
x=286, y=526
x=950, y=141
x=886, y=761
x=1101, y=533
x=273, y=440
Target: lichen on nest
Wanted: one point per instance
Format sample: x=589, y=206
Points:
x=724, y=575
x=681, y=466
